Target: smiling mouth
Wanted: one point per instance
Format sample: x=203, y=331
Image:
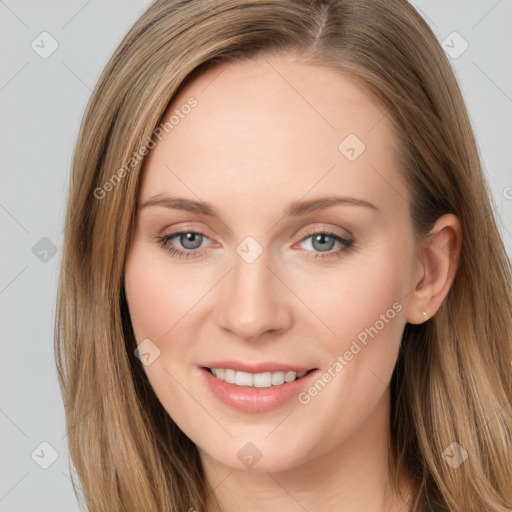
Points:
x=257, y=380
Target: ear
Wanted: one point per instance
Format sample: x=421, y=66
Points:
x=437, y=265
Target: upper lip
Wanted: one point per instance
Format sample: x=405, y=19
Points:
x=262, y=367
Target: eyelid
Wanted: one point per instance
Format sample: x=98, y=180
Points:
x=176, y=231
x=327, y=230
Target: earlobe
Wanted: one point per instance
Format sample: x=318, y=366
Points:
x=438, y=263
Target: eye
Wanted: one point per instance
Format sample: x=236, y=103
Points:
x=319, y=243
x=322, y=243
x=183, y=244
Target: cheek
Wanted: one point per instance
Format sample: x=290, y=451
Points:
x=159, y=303
x=362, y=308
x=158, y=297
x=363, y=293
x=146, y=299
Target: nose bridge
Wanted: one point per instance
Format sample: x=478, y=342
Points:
x=253, y=303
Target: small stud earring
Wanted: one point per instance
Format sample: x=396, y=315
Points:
x=425, y=315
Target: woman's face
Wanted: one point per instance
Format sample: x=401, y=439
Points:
x=278, y=191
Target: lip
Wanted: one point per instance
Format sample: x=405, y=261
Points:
x=251, y=399
x=263, y=367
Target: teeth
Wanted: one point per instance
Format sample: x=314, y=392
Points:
x=257, y=380
x=261, y=380
x=277, y=378
x=289, y=376
x=229, y=376
x=243, y=379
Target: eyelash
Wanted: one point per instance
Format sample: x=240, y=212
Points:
x=346, y=242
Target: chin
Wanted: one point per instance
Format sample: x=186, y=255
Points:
x=259, y=456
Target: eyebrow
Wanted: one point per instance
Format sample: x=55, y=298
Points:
x=294, y=209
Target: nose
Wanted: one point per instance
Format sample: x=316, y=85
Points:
x=254, y=301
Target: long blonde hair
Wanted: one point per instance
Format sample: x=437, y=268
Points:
x=453, y=379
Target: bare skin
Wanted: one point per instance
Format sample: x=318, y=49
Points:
x=266, y=133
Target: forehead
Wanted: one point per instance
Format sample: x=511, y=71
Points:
x=274, y=124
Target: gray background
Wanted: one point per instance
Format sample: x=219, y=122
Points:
x=42, y=101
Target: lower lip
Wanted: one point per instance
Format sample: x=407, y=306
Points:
x=251, y=399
